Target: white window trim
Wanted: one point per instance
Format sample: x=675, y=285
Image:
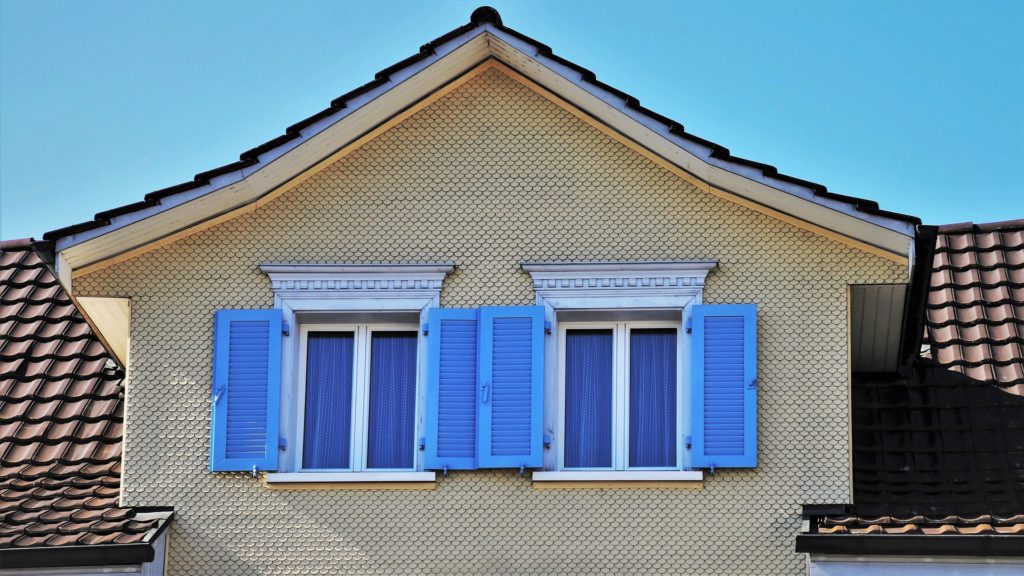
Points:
x=674, y=285
x=617, y=475
x=330, y=477
x=620, y=390
x=304, y=289
x=359, y=433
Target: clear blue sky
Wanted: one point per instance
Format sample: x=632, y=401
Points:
x=918, y=105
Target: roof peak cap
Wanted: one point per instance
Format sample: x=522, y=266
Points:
x=485, y=14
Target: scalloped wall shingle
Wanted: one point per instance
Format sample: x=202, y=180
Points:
x=488, y=176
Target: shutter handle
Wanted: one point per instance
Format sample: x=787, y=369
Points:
x=218, y=393
x=752, y=384
x=485, y=392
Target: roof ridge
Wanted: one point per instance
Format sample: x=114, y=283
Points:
x=483, y=16
x=968, y=227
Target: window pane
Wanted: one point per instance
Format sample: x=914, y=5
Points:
x=328, y=419
x=588, y=399
x=392, y=428
x=652, y=398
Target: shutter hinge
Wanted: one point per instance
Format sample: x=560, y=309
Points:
x=425, y=328
x=547, y=327
x=285, y=328
x=547, y=440
x=423, y=442
x=689, y=441
x=752, y=383
x=282, y=443
x=253, y=470
x=689, y=325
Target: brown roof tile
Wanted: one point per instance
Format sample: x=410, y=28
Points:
x=975, y=310
x=60, y=417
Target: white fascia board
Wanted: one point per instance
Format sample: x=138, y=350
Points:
x=747, y=182
x=278, y=165
x=406, y=86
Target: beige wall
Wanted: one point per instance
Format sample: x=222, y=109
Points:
x=488, y=176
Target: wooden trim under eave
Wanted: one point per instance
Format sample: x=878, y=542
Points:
x=297, y=180
x=696, y=182
x=489, y=64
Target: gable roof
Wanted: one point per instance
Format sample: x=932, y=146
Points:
x=939, y=449
x=61, y=417
x=265, y=169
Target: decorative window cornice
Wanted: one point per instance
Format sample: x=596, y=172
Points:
x=356, y=280
x=650, y=279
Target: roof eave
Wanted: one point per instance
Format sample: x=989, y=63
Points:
x=854, y=218
x=979, y=545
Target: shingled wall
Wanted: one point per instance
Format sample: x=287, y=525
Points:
x=488, y=176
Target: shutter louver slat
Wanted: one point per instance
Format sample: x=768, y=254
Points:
x=724, y=391
x=246, y=390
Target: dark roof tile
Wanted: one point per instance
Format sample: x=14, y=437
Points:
x=60, y=417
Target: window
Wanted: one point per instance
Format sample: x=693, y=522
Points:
x=620, y=395
x=353, y=367
x=358, y=396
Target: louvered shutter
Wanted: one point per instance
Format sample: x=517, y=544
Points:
x=511, y=387
x=246, y=390
x=451, y=389
x=725, y=386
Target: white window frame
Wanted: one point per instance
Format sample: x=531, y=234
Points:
x=309, y=293
x=360, y=416
x=621, y=331
x=623, y=288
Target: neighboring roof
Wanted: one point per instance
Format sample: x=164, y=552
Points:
x=939, y=449
x=483, y=20
x=975, y=310
x=60, y=422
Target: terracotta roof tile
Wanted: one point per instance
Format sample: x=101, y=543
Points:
x=60, y=417
x=975, y=310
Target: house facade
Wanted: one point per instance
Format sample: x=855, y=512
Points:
x=485, y=314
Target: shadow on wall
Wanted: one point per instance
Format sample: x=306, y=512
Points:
x=936, y=443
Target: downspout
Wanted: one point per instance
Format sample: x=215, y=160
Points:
x=917, y=297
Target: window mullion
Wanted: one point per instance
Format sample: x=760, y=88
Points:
x=360, y=403
x=622, y=397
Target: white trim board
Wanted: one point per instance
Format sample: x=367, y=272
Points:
x=303, y=477
x=407, y=86
x=619, y=476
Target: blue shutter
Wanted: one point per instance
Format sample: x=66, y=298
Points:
x=246, y=390
x=511, y=395
x=725, y=386
x=451, y=389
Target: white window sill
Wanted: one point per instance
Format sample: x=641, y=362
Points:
x=348, y=478
x=658, y=479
